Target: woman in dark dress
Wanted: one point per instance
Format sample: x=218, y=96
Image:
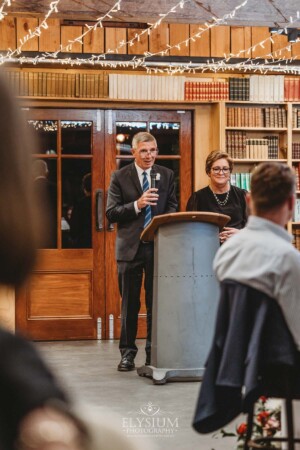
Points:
x=219, y=196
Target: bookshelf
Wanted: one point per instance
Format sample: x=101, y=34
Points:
x=255, y=118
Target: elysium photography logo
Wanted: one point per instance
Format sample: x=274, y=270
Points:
x=150, y=420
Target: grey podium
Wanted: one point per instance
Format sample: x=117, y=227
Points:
x=185, y=293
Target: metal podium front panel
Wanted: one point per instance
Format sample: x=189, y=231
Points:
x=185, y=294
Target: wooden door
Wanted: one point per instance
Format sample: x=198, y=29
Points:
x=173, y=132
x=65, y=296
x=73, y=291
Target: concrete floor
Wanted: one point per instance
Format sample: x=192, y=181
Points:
x=88, y=371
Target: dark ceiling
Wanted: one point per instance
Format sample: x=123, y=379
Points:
x=255, y=12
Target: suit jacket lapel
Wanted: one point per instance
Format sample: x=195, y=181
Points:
x=135, y=179
x=154, y=208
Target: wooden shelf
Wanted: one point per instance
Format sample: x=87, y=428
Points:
x=256, y=129
x=247, y=161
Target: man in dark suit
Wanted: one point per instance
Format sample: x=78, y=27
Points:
x=132, y=204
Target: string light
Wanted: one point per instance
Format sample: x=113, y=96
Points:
x=31, y=34
x=2, y=13
x=248, y=65
x=135, y=62
x=122, y=43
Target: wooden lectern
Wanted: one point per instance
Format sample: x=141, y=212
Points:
x=185, y=293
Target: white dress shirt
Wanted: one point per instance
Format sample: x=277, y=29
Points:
x=263, y=257
x=141, y=178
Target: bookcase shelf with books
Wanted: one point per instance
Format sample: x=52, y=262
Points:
x=256, y=132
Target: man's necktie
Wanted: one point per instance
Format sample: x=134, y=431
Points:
x=148, y=207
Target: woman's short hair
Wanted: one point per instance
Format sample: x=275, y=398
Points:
x=214, y=156
x=272, y=183
x=142, y=136
x=18, y=219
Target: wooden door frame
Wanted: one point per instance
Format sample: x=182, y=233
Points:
x=97, y=267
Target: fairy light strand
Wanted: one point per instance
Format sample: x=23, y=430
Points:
x=31, y=34
x=248, y=65
x=2, y=13
x=79, y=39
x=122, y=43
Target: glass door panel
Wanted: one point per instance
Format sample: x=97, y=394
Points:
x=76, y=137
x=64, y=298
x=46, y=135
x=76, y=215
x=167, y=136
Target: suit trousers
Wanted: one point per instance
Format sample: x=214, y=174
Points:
x=130, y=275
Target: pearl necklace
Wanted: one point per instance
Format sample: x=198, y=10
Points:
x=221, y=203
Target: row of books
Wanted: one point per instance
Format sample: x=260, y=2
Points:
x=296, y=217
x=267, y=117
x=292, y=89
x=58, y=84
x=239, y=88
x=271, y=88
x=241, y=180
x=239, y=146
x=256, y=88
x=213, y=90
x=296, y=237
x=296, y=168
x=296, y=118
x=296, y=150
x=146, y=87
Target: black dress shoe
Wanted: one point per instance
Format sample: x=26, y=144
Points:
x=126, y=364
x=148, y=360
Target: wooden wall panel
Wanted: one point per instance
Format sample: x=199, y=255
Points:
x=113, y=37
x=8, y=33
x=240, y=39
x=49, y=40
x=216, y=41
x=140, y=45
x=159, y=38
x=296, y=50
x=60, y=295
x=23, y=26
x=220, y=41
x=69, y=34
x=179, y=32
x=279, y=43
x=258, y=35
x=199, y=46
x=93, y=42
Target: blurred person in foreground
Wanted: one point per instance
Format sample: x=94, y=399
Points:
x=261, y=255
x=34, y=411
x=219, y=196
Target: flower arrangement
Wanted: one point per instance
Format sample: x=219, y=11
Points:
x=266, y=423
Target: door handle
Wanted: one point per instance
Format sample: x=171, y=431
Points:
x=99, y=209
x=110, y=226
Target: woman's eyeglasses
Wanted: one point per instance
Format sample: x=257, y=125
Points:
x=220, y=169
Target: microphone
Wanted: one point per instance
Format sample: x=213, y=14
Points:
x=155, y=178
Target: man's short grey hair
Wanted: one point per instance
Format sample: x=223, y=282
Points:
x=142, y=136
